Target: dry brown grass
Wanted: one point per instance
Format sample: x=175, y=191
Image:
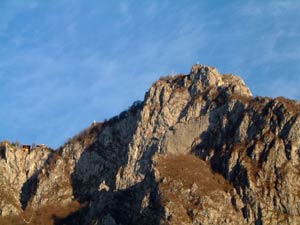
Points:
x=171, y=77
x=180, y=90
x=243, y=98
x=87, y=136
x=166, y=78
x=202, y=94
x=227, y=77
x=291, y=105
x=180, y=174
x=258, y=104
x=44, y=216
x=190, y=169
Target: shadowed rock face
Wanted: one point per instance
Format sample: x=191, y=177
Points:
x=198, y=150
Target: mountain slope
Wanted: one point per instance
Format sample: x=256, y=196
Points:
x=198, y=150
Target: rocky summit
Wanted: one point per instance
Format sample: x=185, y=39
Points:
x=199, y=149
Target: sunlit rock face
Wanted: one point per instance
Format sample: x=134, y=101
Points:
x=200, y=149
x=18, y=168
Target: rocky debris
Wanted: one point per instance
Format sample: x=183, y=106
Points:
x=200, y=149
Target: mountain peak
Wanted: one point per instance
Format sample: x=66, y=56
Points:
x=204, y=78
x=197, y=148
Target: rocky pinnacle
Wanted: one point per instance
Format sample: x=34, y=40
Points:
x=199, y=149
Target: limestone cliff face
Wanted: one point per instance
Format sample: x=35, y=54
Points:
x=198, y=150
x=18, y=168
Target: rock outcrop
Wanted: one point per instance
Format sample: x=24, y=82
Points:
x=19, y=170
x=200, y=149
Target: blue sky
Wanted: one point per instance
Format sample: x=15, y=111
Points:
x=66, y=63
